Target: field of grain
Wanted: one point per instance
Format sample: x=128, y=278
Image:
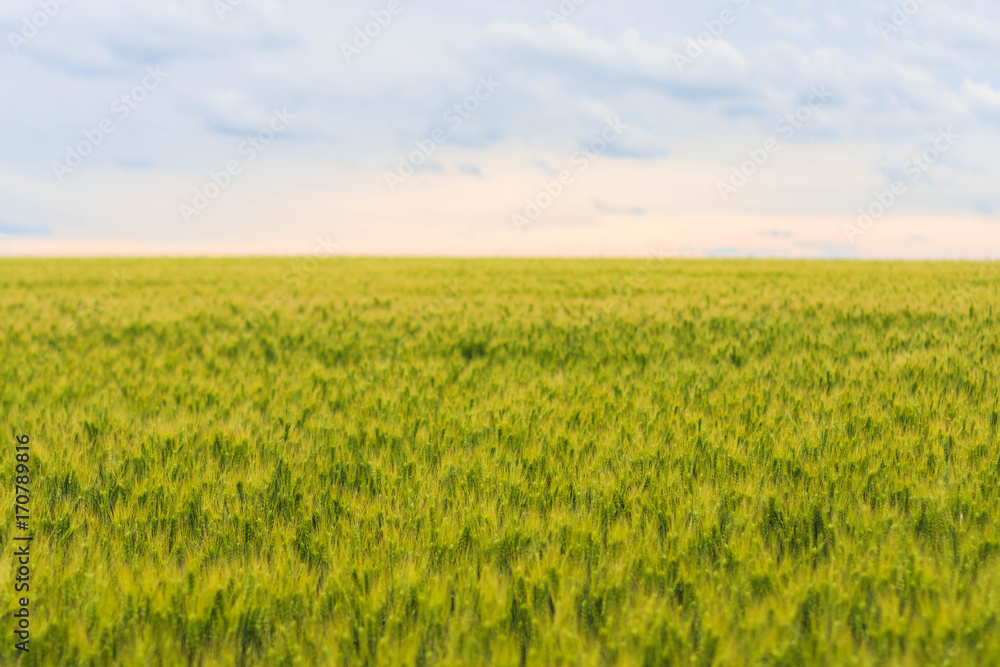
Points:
x=504, y=462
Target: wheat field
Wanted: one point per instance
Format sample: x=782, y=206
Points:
x=504, y=462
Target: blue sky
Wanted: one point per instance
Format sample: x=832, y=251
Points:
x=786, y=128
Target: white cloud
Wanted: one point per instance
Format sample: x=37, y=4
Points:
x=982, y=97
x=614, y=59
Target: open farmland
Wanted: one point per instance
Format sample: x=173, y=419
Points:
x=504, y=462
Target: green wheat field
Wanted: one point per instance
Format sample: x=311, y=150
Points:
x=503, y=462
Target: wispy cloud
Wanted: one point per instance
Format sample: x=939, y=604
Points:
x=687, y=126
x=12, y=229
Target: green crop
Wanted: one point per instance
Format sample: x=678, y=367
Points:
x=504, y=462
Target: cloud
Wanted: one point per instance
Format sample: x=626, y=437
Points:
x=829, y=250
x=982, y=98
x=622, y=62
x=686, y=128
x=618, y=210
x=983, y=206
x=11, y=229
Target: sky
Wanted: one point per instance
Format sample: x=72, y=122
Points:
x=744, y=128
